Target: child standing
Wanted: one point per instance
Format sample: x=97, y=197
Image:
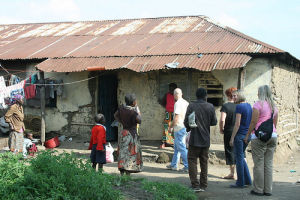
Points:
x=97, y=142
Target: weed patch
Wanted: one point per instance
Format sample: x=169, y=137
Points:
x=67, y=177
x=168, y=191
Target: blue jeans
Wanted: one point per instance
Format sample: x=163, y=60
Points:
x=243, y=175
x=180, y=149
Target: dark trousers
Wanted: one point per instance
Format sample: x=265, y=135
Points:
x=193, y=154
x=229, y=150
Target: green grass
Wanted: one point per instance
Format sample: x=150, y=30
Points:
x=168, y=191
x=66, y=177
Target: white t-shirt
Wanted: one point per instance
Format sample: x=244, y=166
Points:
x=27, y=143
x=180, y=109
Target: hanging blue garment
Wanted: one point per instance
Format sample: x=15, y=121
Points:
x=14, y=80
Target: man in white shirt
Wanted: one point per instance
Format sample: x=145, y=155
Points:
x=180, y=133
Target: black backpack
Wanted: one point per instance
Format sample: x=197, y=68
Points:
x=265, y=130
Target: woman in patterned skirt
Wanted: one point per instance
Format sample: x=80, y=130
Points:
x=129, y=146
x=168, y=102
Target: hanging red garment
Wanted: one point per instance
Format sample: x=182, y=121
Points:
x=30, y=91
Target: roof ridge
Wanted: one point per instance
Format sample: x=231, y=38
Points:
x=151, y=55
x=242, y=35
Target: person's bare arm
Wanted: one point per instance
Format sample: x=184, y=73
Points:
x=275, y=120
x=222, y=122
x=175, y=121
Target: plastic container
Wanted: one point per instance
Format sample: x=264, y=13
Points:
x=52, y=143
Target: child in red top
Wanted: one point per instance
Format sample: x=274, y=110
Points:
x=98, y=141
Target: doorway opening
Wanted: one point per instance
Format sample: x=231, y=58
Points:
x=108, y=104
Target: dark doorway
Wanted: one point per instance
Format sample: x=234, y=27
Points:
x=108, y=104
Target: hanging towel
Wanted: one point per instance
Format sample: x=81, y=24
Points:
x=16, y=89
x=34, y=78
x=30, y=91
x=3, y=92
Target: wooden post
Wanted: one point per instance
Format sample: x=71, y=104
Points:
x=43, y=127
x=241, y=78
x=189, y=85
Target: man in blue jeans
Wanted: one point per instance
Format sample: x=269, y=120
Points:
x=180, y=133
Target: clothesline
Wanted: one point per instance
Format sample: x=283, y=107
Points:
x=45, y=84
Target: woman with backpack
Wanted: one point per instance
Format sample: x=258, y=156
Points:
x=263, y=147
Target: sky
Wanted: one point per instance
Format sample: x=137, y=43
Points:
x=276, y=22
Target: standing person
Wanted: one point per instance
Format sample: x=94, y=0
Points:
x=168, y=102
x=262, y=152
x=129, y=146
x=15, y=116
x=243, y=116
x=97, y=143
x=199, y=141
x=226, y=125
x=180, y=133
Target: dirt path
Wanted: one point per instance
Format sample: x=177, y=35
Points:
x=284, y=187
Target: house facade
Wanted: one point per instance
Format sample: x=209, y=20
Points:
x=143, y=56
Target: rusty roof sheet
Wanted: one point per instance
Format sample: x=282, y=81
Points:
x=134, y=37
x=203, y=62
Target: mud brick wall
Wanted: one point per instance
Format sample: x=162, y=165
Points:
x=286, y=88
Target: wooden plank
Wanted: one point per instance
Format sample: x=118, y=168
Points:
x=43, y=124
x=241, y=78
x=215, y=96
x=209, y=88
x=208, y=82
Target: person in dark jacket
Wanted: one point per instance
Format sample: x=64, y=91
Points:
x=199, y=141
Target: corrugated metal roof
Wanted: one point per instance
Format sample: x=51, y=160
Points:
x=137, y=44
x=136, y=37
x=203, y=62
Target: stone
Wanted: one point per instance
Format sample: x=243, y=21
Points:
x=163, y=158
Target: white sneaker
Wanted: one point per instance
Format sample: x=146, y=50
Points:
x=172, y=168
x=197, y=189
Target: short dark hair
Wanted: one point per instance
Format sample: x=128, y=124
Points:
x=27, y=134
x=172, y=87
x=99, y=118
x=201, y=93
x=129, y=99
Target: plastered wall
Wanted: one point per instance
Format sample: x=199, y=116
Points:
x=145, y=86
x=74, y=113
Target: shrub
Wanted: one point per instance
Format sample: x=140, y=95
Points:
x=50, y=176
x=67, y=177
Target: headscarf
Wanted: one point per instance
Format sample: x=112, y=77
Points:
x=16, y=98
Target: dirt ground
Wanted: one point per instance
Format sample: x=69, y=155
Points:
x=285, y=175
